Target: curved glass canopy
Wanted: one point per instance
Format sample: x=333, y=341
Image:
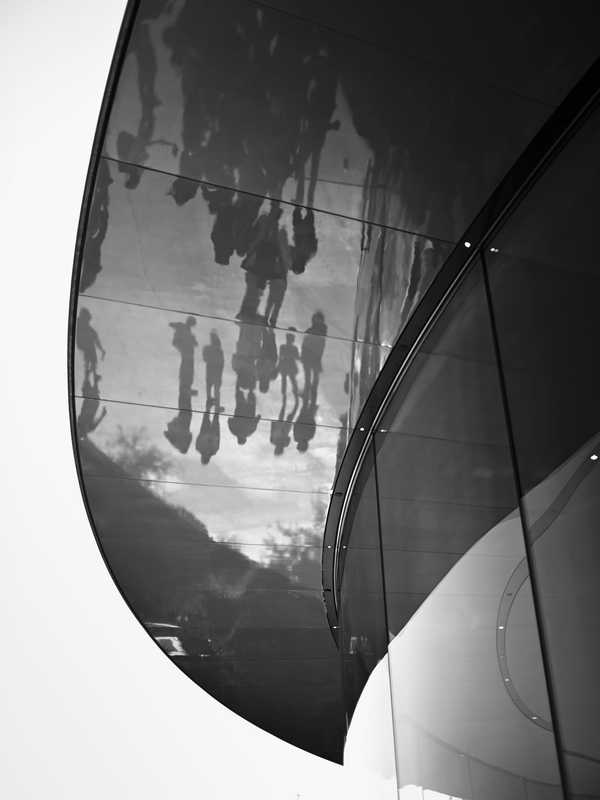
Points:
x=269, y=201
x=468, y=565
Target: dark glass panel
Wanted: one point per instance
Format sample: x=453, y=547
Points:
x=550, y=46
x=247, y=97
x=545, y=289
x=362, y=618
x=242, y=616
x=467, y=681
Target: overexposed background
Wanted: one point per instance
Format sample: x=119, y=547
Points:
x=91, y=708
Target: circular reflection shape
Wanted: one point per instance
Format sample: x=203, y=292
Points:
x=520, y=577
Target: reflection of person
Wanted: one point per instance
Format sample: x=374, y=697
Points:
x=185, y=341
x=87, y=422
x=305, y=425
x=214, y=359
x=268, y=260
x=133, y=148
x=245, y=419
x=209, y=438
x=288, y=363
x=282, y=427
x=88, y=341
x=305, y=239
x=313, y=346
x=178, y=429
x=278, y=279
x=247, y=351
x=97, y=228
x=266, y=366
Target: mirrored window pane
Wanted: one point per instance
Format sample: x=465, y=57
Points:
x=129, y=353
x=545, y=289
x=362, y=614
x=244, y=96
x=467, y=679
x=230, y=255
x=549, y=49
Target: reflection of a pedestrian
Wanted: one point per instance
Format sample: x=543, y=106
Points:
x=266, y=366
x=185, y=341
x=247, y=352
x=132, y=149
x=278, y=279
x=88, y=341
x=288, y=363
x=209, y=438
x=313, y=346
x=281, y=427
x=87, y=422
x=305, y=239
x=214, y=359
x=268, y=260
x=305, y=425
x=178, y=431
x=245, y=419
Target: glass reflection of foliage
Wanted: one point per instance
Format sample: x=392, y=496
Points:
x=133, y=451
x=299, y=556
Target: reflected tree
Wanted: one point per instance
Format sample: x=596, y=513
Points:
x=296, y=551
x=132, y=450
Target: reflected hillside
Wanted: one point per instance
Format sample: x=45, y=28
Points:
x=242, y=626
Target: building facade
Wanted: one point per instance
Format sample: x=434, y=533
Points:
x=320, y=432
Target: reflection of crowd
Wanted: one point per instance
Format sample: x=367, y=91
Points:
x=258, y=104
x=255, y=362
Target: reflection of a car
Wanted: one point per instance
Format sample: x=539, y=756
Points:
x=166, y=635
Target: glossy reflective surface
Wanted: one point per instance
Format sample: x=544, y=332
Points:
x=272, y=201
x=485, y=504
x=548, y=257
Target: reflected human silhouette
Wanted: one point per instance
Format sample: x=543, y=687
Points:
x=305, y=425
x=215, y=360
x=247, y=352
x=97, y=228
x=245, y=419
x=183, y=190
x=288, y=363
x=88, y=341
x=290, y=121
x=178, y=431
x=87, y=421
x=133, y=148
x=305, y=239
x=282, y=426
x=185, y=342
x=209, y=438
x=266, y=366
x=267, y=262
x=311, y=355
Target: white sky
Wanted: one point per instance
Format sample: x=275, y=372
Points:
x=91, y=707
